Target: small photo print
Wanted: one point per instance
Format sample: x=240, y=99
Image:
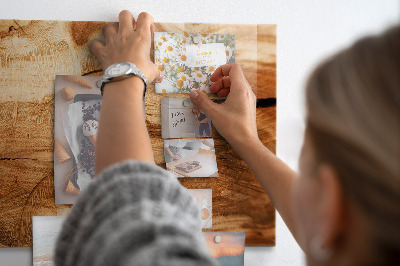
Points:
x=204, y=199
x=226, y=247
x=190, y=157
x=180, y=118
x=45, y=230
x=77, y=106
x=188, y=60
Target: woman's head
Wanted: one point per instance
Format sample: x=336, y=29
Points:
x=196, y=110
x=351, y=156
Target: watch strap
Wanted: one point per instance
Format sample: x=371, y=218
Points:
x=135, y=71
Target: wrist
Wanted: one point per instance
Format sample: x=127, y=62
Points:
x=241, y=143
x=132, y=86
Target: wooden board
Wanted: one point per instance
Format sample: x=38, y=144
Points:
x=33, y=52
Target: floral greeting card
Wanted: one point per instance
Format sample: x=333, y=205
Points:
x=187, y=60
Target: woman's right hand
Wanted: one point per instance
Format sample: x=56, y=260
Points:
x=235, y=119
x=130, y=42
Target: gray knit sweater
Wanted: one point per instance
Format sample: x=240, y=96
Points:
x=134, y=213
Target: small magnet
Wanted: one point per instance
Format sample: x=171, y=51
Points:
x=98, y=83
x=217, y=239
x=196, y=39
x=187, y=102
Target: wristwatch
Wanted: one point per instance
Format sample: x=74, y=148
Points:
x=120, y=71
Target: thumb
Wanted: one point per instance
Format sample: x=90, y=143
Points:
x=202, y=101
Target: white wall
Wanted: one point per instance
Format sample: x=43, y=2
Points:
x=307, y=32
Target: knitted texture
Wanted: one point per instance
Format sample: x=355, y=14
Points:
x=134, y=213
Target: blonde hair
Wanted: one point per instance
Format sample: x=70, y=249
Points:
x=353, y=120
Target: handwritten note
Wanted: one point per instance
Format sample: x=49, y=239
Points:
x=177, y=118
x=205, y=55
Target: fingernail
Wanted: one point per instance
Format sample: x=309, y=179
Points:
x=194, y=94
x=160, y=78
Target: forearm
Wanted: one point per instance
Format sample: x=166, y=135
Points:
x=274, y=176
x=122, y=131
x=169, y=151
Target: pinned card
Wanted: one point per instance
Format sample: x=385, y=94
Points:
x=226, y=247
x=190, y=157
x=204, y=200
x=45, y=230
x=77, y=105
x=180, y=118
x=188, y=60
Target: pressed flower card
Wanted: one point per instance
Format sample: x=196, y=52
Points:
x=188, y=60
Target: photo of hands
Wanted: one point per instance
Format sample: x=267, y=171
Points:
x=191, y=157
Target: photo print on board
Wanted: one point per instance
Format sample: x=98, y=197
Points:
x=180, y=118
x=45, y=230
x=188, y=60
x=204, y=199
x=77, y=107
x=226, y=247
x=190, y=157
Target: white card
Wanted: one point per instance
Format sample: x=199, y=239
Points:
x=205, y=55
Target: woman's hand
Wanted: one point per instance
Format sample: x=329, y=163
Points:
x=235, y=119
x=130, y=42
x=176, y=157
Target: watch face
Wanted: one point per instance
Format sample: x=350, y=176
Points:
x=118, y=69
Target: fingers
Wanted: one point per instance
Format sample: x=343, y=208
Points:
x=225, y=82
x=203, y=102
x=144, y=24
x=126, y=21
x=223, y=92
x=157, y=75
x=97, y=48
x=110, y=31
x=227, y=79
x=232, y=70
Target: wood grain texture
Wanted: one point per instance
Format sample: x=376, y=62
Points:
x=33, y=52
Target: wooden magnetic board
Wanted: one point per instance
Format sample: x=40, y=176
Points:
x=33, y=52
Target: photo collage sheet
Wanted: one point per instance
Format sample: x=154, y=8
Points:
x=187, y=61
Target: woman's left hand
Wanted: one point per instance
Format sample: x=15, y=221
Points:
x=130, y=42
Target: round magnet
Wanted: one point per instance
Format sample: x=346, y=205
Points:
x=217, y=239
x=98, y=83
x=187, y=102
x=196, y=39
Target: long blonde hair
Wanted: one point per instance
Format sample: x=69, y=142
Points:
x=353, y=120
